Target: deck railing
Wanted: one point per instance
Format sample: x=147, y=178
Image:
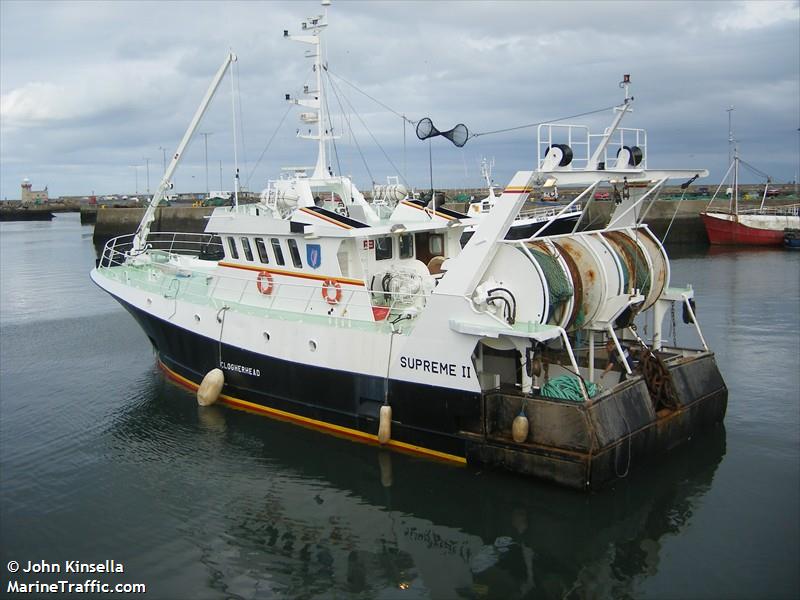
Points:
x=171, y=271
x=117, y=250
x=787, y=210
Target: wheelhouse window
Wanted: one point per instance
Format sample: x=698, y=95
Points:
x=248, y=251
x=436, y=244
x=261, y=248
x=383, y=248
x=295, y=253
x=277, y=251
x=406, y=246
x=232, y=247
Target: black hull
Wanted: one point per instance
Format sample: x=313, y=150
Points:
x=520, y=232
x=573, y=444
x=425, y=419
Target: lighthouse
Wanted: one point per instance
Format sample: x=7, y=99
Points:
x=30, y=196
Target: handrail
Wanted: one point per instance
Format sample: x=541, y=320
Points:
x=783, y=210
x=239, y=288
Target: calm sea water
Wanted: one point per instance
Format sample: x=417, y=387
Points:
x=100, y=458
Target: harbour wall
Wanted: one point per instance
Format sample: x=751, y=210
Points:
x=681, y=218
x=113, y=222
x=687, y=226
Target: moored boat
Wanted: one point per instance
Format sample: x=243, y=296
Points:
x=386, y=330
x=791, y=238
x=530, y=219
x=762, y=226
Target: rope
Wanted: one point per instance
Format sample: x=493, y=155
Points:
x=583, y=114
x=616, y=451
x=333, y=139
x=360, y=91
x=754, y=170
x=386, y=156
x=221, y=321
x=241, y=113
x=269, y=143
x=407, y=120
x=352, y=133
x=566, y=387
x=558, y=286
x=666, y=233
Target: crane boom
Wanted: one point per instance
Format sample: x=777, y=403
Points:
x=143, y=230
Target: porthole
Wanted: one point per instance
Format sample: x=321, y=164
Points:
x=266, y=336
x=312, y=345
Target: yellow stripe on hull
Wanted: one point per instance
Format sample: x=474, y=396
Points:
x=316, y=424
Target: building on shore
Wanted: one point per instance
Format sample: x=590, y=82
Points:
x=31, y=196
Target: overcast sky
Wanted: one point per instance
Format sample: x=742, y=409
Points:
x=92, y=89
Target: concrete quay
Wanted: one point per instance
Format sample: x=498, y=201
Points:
x=680, y=217
x=113, y=222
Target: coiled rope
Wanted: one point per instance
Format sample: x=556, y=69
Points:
x=567, y=387
x=558, y=286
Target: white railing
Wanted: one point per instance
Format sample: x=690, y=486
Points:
x=117, y=250
x=789, y=210
x=169, y=270
x=546, y=211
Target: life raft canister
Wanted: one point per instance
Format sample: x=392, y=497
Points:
x=264, y=282
x=332, y=291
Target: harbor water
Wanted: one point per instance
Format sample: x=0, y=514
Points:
x=102, y=458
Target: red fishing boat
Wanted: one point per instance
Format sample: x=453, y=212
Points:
x=762, y=226
x=758, y=227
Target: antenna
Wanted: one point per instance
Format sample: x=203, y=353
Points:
x=625, y=84
x=731, y=141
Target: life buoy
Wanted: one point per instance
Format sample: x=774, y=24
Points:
x=264, y=282
x=332, y=291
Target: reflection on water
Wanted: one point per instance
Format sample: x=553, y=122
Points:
x=292, y=512
x=100, y=457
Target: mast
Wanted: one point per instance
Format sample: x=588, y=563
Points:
x=486, y=172
x=736, y=181
x=621, y=111
x=315, y=98
x=730, y=133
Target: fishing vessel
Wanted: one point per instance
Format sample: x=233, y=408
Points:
x=530, y=219
x=387, y=331
x=762, y=226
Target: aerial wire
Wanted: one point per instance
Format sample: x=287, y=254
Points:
x=352, y=133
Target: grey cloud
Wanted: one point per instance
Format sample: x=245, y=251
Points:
x=129, y=77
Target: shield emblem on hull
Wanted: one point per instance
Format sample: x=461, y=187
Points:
x=313, y=255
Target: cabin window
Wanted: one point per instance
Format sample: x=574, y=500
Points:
x=261, y=247
x=248, y=251
x=406, y=246
x=436, y=244
x=232, y=246
x=383, y=248
x=295, y=253
x=276, y=250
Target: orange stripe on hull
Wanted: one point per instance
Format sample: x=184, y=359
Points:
x=292, y=273
x=436, y=212
x=325, y=218
x=338, y=430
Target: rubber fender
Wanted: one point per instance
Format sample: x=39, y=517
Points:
x=210, y=387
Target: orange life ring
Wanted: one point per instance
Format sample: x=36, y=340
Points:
x=336, y=296
x=264, y=282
